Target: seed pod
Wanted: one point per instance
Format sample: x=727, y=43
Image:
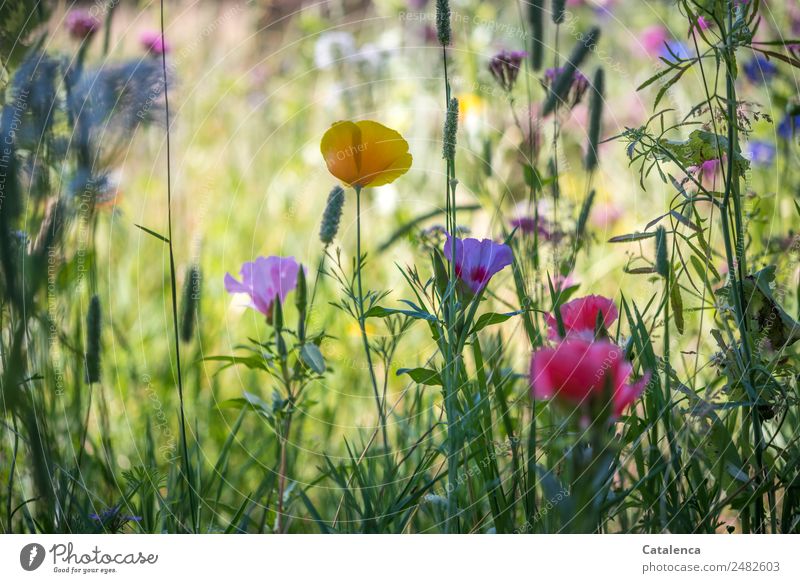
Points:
x=595, y=119
x=331, y=216
x=10, y=206
x=536, y=20
x=443, y=30
x=300, y=300
x=191, y=302
x=450, y=130
x=93, y=328
x=561, y=85
x=583, y=217
x=662, y=261
x=558, y=11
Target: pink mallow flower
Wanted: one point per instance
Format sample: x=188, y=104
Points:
x=579, y=317
x=477, y=261
x=153, y=42
x=264, y=280
x=577, y=373
x=709, y=173
x=81, y=24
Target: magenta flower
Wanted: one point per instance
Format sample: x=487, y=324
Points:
x=579, y=317
x=577, y=372
x=153, y=42
x=81, y=24
x=653, y=38
x=528, y=225
x=709, y=173
x=264, y=280
x=477, y=261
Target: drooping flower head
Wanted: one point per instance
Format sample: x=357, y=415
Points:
x=505, y=66
x=153, y=42
x=577, y=373
x=580, y=315
x=81, y=24
x=365, y=153
x=264, y=280
x=477, y=260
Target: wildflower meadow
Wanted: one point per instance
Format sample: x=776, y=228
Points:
x=399, y=266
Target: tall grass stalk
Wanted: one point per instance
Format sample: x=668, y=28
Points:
x=187, y=470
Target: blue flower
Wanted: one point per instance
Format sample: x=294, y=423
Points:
x=675, y=48
x=788, y=126
x=760, y=153
x=760, y=69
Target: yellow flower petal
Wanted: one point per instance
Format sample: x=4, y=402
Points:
x=365, y=153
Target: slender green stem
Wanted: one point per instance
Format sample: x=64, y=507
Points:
x=187, y=471
x=363, y=327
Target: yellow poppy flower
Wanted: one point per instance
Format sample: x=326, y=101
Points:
x=365, y=153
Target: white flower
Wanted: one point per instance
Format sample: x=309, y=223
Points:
x=332, y=47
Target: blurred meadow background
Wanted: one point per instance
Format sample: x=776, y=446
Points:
x=252, y=88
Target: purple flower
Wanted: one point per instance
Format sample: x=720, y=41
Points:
x=504, y=67
x=112, y=515
x=477, y=261
x=153, y=42
x=81, y=24
x=760, y=69
x=579, y=84
x=529, y=225
x=760, y=153
x=264, y=280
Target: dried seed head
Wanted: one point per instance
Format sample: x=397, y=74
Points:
x=450, y=130
x=558, y=11
x=536, y=21
x=191, y=302
x=595, y=118
x=331, y=216
x=443, y=30
x=93, y=328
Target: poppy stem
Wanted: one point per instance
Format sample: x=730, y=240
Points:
x=362, y=322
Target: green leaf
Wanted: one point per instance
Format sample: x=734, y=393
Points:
x=153, y=233
x=381, y=312
x=492, y=318
x=654, y=78
x=251, y=362
x=312, y=357
x=248, y=401
x=638, y=236
x=423, y=376
x=676, y=302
